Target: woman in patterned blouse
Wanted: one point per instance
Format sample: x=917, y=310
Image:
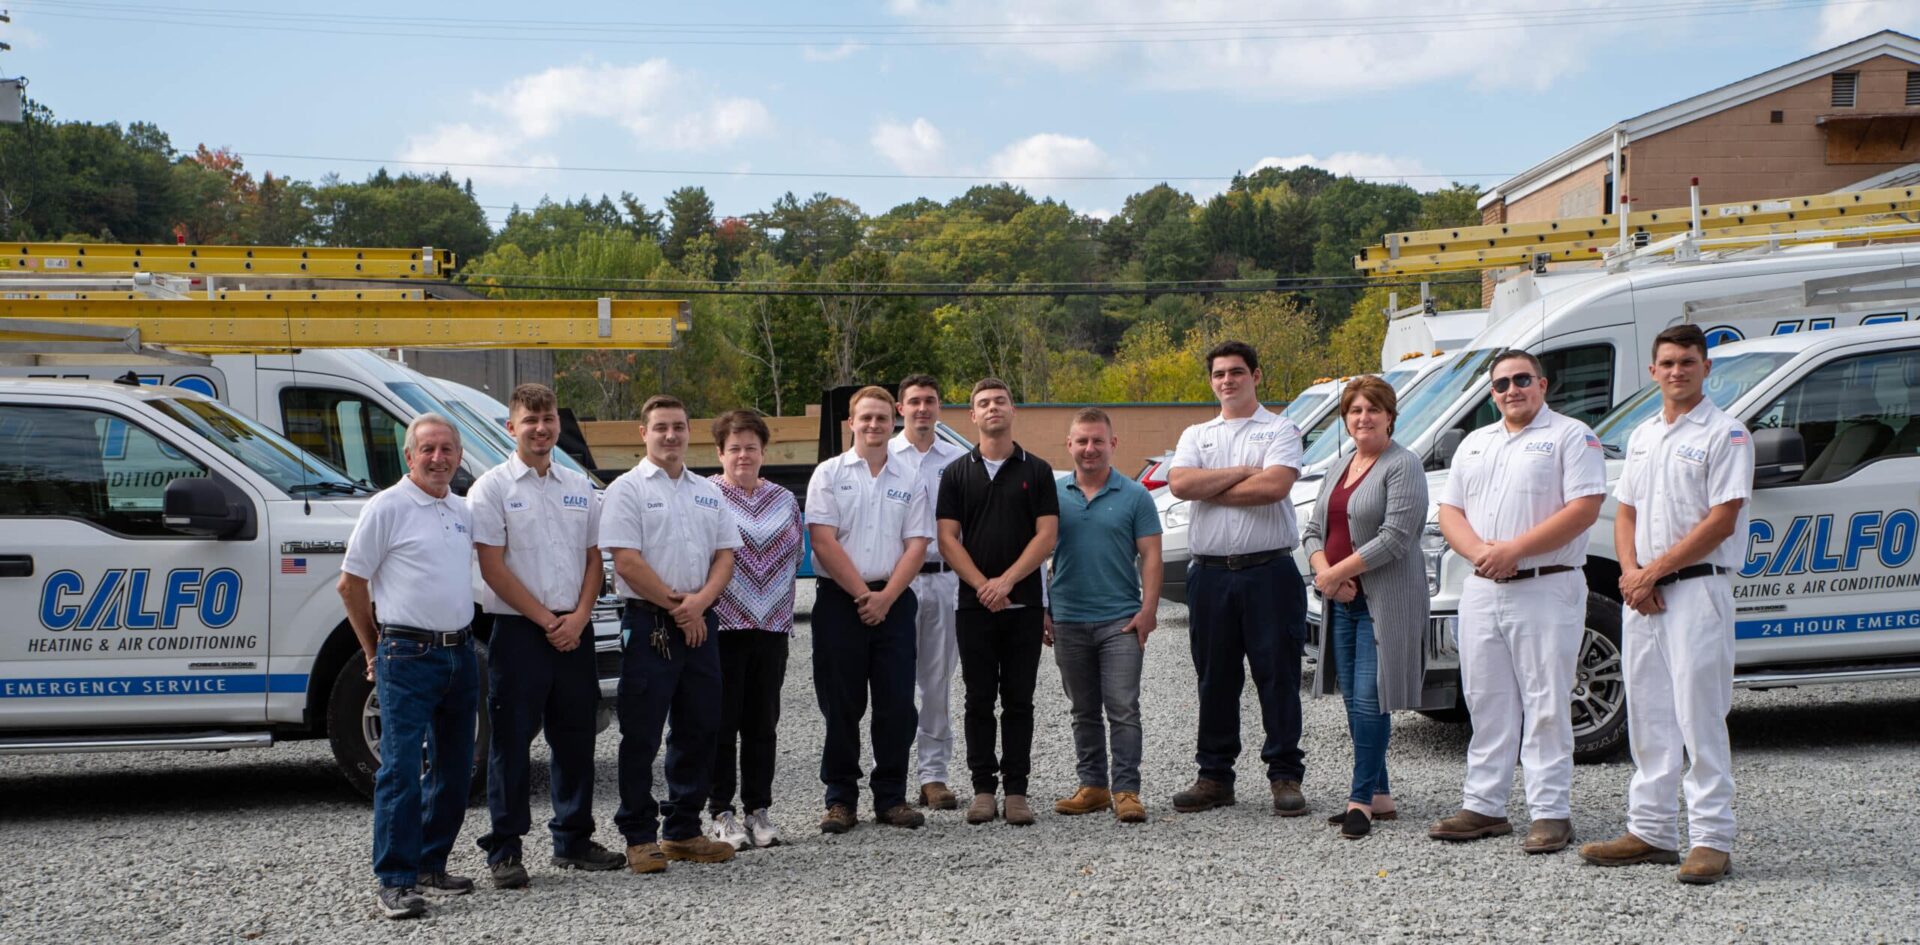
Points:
x=756, y=621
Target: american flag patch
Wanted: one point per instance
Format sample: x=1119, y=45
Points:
x=1737, y=437
x=1593, y=441
x=293, y=565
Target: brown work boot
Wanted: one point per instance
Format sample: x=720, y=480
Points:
x=697, y=849
x=1086, y=800
x=1205, y=794
x=646, y=858
x=1287, y=799
x=1625, y=850
x=1017, y=812
x=1705, y=866
x=1548, y=836
x=1127, y=808
x=838, y=819
x=934, y=795
x=900, y=815
x=1469, y=825
x=982, y=810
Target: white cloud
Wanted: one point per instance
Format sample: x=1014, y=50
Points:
x=633, y=96
x=918, y=148
x=719, y=125
x=1049, y=155
x=1364, y=165
x=832, y=54
x=1843, y=21
x=462, y=143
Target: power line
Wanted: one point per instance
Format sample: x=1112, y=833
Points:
x=1026, y=291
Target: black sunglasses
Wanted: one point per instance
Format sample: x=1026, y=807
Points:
x=1523, y=381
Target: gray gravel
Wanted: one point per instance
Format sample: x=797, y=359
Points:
x=271, y=846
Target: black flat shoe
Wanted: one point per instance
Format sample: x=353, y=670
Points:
x=1356, y=824
x=1341, y=817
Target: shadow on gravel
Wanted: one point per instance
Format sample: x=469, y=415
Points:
x=1853, y=722
x=223, y=788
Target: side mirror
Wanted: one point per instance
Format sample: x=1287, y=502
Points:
x=1445, y=447
x=202, y=506
x=1779, y=455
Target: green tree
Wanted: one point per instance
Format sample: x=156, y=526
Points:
x=689, y=217
x=407, y=210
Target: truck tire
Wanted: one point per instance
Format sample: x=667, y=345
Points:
x=1599, y=685
x=353, y=726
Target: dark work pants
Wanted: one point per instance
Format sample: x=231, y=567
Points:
x=532, y=685
x=999, y=656
x=849, y=660
x=684, y=691
x=1257, y=615
x=753, y=667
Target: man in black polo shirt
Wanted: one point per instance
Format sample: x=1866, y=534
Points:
x=998, y=513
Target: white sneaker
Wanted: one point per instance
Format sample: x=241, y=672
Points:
x=726, y=829
x=765, y=834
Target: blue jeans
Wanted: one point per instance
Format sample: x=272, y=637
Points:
x=851, y=660
x=1356, y=666
x=429, y=705
x=1100, y=670
x=1256, y=616
x=683, y=689
x=533, y=688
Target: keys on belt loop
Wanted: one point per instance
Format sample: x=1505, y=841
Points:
x=661, y=644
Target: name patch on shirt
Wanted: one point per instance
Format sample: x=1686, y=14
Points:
x=1690, y=454
x=653, y=504
x=1264, y=436
x=578, y=503
x=1538, y=448
x=516, y=505
x=706, y=502
x=899, y=495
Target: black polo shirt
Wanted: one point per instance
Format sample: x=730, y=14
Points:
x=997, y=516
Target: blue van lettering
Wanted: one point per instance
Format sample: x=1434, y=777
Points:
x=120, y=599
x=1808, y=545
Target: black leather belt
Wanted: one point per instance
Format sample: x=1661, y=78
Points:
x=1534, y=573
x=429, y=637
x=644, y=606
x=1241, y=562
x=935, y=567
x=1689, y=572
x=876, y=585
x=823, y=582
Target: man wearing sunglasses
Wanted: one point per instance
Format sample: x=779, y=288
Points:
x=1522, y=493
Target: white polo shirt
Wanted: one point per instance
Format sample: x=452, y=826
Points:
x=416, y=554
x=676, y=524
x=929, y=465
x=546, y=523
x=1677, y=472
x=1265, y=440
x=1508, y=483
x=872, y=516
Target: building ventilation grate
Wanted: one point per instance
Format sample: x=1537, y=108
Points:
x=1844, y=85
x=1913, y=89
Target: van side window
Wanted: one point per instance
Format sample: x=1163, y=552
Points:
x=354, y=433
x=73, y=463
x=1851, y=412
x=1582, y=381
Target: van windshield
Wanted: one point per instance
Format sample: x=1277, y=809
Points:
x=291, y=469
x=1303, y=406
x=1733, y=375
x=473, y=439
x=497, y=432
x=1413, y=388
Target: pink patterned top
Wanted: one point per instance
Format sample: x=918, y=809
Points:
x=760, y=595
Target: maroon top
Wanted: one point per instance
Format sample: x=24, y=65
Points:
x=1339, y=544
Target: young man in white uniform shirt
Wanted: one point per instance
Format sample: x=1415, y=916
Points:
x=1522, y=493
x=1680, y=533
x=536, y=531
x=1246, y=595
x=407, y=580
x=937, y=588
x=672, y=538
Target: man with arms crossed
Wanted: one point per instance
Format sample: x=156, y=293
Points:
x=936, y=587
x=1680, y=532
x=407, y=581
x=1522, y=494
x=536, y=525
x=1247, y=599
x=869, y=519
x=672, y=539
x=1099, y=617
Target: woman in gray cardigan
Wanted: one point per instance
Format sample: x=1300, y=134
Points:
x=1363, y=545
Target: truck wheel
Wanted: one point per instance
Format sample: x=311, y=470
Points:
x=1599, y=685
x=353, y=726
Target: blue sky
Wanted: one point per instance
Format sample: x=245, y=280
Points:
x=924, y=98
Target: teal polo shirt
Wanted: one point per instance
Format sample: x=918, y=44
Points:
x=1095, y=578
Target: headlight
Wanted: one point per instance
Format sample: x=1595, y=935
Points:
x=1433, y=546
x=1177, y=515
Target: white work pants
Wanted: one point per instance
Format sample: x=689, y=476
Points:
x=1519, y=646
x=1679, y=668
x=937, y=654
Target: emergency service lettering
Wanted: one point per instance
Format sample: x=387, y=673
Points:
x=120, y=599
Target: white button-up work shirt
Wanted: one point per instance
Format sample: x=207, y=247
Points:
x=1263, y=440
x=1677, y=472
x=928, y=466
x=546, y=523
x=1507, y=483
x=416, y=554
x=676, y=524
x=872, y=516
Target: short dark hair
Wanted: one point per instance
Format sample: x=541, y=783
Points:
x=740, y=421
x=918, y=380
x=1686, y=336
x=1239, y=349
x=1512, y=353
x=1091, y=415
x=989, y=383
x=660, y=402
x=533, y=398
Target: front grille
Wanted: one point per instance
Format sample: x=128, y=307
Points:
x=1443, y=637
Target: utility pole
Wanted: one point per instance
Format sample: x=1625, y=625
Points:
x=12, y=91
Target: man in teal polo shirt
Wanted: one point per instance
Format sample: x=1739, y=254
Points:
x=1098, y=619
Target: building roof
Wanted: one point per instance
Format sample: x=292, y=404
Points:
x=1883, y=43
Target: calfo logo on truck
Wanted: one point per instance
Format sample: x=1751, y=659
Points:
x=1815, y=544
x=137, y=599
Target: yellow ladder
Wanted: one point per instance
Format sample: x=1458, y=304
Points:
x=56, y=259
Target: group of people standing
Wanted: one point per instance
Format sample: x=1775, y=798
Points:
x=930, y=556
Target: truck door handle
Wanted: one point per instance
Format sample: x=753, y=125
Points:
x=16, y=566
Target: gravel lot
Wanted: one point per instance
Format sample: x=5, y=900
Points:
x=271, y=846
